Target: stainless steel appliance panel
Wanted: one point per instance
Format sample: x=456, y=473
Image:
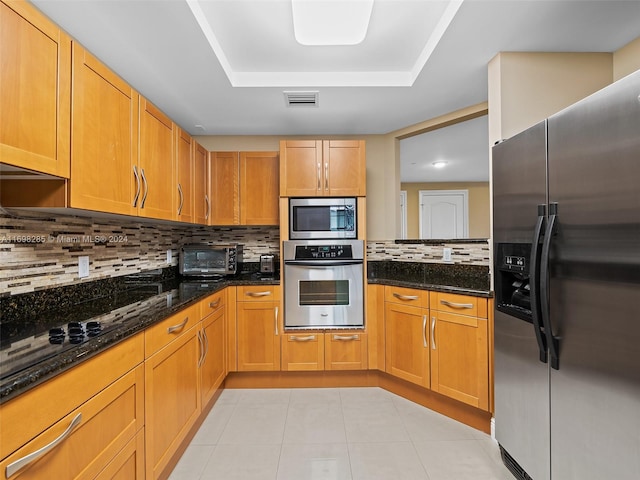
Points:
x=323, y=218
x=594, y=177
x=521, y=379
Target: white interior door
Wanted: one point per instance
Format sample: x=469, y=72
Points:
x=444, y=213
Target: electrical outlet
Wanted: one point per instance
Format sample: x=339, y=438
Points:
x=446, y=254
x=169, y=256
x=83, y=266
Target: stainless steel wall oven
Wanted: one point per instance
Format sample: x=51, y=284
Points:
x=323, y=283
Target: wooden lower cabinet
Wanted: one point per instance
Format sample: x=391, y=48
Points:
x=212, y=361
x=303, y=351
x=129, y=463
x=91, y=435
x=258, y=336
x=345, y=351
x=172, y=399
x=407, y=343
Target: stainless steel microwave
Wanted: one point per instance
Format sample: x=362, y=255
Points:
x=209, y=260
x=322, y=218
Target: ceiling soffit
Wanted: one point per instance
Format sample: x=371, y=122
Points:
x=255, y=44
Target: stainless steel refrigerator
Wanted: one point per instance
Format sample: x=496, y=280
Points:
x=567, y=284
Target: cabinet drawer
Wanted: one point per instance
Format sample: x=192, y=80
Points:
x=303, y=351
x=258, y=293
x=170, y=328
x=406, y=296
x=87, y=439
x=345, y=351
x=212, y=303
x=24, y=417
x=129, y=463
x=461, y=304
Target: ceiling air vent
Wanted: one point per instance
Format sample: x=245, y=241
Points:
x=301, y=99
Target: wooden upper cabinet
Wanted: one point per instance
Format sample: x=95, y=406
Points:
x=185, y=167
x=244, y=188
x=311, y=168
x=156, y=163
x=104, y=172
x=201, y=199
x=300, y=168
x=35, y=91
x=225, y=185
x=259, y=177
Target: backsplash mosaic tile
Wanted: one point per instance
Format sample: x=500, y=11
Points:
x=473, y=253
x=39, y=250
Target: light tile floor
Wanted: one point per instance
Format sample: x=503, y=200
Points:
x=334, y=434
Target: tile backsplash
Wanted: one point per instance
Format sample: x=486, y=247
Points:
x=463, y=253
x=39, y=250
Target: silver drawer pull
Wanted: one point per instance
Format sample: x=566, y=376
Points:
x=308, y=338
x=406, y=297
x=456, y=305
x=178, y=327
x=424, y=331
x=258, y=294
x=433, y=333
x=346, y=337
x=12, y=468
x=214, y=304
x=275, y=319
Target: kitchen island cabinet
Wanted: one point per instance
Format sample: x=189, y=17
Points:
x=35, y=98
x=314, y=168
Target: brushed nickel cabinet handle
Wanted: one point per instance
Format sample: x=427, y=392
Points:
x=433, y=335
x=258, y=294
x=456, y=305
x=214, y=304
x=181, y=199
x=201, y=342
x=406, y=297
x=180, y=326
x=135, y=174
x=308, y=338
x=326, y=176
x=146, y=188
x=276, y=320
x=206, y=201
x=424, y=331
x=319, y=178
x=346, y=337
x=13, y=467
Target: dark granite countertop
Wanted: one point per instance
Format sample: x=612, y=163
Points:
x=124, y=306
x=440, y=277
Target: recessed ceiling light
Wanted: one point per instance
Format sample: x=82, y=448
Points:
x=439, y=164
x=331, y=22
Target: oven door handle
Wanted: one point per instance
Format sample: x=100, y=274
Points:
x=321, y=264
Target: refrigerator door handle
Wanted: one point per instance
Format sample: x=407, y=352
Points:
x=552, y=340
x=535, y=284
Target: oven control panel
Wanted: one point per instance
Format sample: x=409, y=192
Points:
x=322, y=252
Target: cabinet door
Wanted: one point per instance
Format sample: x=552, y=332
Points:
x=344, y=168
x=156, y=163
x=258, y=336
x=302, y=351
x=201, y=198
x=407, y=346
x=300, y=168
x=172, y=399
x=460, y=358
x=212, y=363
x=184, y=176
x=345, y=351
x=104, y=172
x=259, y=188
x=35, y=91
x=89, y=437
x=225, y=186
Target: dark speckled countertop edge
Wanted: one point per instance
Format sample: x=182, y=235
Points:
x=11, y=387
x=435, y=288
